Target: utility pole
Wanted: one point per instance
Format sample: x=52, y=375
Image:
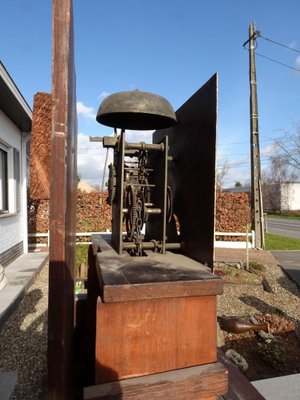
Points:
x=256, y=192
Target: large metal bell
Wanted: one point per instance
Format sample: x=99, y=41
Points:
x=136, y=110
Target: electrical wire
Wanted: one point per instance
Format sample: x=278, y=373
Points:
x=279, y=44
x=246, y=142
x=276, y=61
x=240, y=164
x=258, y=35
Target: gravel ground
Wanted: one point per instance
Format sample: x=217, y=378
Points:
x=246, y=300
x=23, y=339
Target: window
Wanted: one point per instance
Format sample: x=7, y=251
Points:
x=10, y=180
x=17, y=180
x=3, y=181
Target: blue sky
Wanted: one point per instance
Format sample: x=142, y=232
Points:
x=169, y=47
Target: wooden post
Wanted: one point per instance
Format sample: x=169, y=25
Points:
x=256, y=195
x=62, y=205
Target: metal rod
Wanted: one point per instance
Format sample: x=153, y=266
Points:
x=153, y=210
x=104, y=170
x=144, y=146
x=152, y=245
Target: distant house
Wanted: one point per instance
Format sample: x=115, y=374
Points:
x=238, y=189
x=277, y=197
x=15, y=129
x=281, y=197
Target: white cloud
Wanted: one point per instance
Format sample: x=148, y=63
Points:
x=91, y=160
x=138, y=136
x=88, y=112
x=103, y=95
x=91, y=155
x=297, y=62
x=269, y=150
x=293, y=45
x=238, y=169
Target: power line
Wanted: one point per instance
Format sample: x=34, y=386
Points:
x=246, y=142
x=257, y=34
x=279, y=44
x=240, y=164
x=277, y=62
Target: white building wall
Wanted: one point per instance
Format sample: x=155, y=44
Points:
x=290, y=196
x=11, y=225
x=11, y=232
x=9, y=133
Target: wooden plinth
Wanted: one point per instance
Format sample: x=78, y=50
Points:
x=201, y=382
x=149, y=336
x=155, y=315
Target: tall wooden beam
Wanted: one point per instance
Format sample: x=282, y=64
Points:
x=256, y=194
x=62, y=204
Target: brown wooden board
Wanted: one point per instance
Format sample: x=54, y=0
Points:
x=62, y=204
x=40, y=147
x=144, y=337
x=239, y=387
x=124, y=278
x=200, y=382
x=192, y=144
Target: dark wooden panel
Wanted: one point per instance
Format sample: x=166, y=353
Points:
x=149, y=336
x=239, y=388
x=192, y=144
x=62, y=205
x=200, y=382
x=124, y=278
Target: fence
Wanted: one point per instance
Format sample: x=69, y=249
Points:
x=236, y=245
x=46, y=235
x=218, y=243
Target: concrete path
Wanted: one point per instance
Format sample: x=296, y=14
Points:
x=282, y=388
x=8, y=381
x=289, y=260
x=20, y=274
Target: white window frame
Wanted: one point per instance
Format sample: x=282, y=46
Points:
x=13, y=181
x=4, y=196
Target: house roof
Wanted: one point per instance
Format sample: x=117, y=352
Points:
x=238, y=189
x=12, y=103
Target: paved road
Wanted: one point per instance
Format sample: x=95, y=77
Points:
x=284, y=227
x=289, y=260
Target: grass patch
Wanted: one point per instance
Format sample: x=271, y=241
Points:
x=81, y=254
x=276, y=242
x=257, y=266
x=286, y=216
x=237, y=275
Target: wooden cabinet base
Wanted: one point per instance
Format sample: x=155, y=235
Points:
x=145, y=337
x=154, y=327
x=203, y=382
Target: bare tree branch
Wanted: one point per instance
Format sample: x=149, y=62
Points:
x=221, y=174
x=288, y=148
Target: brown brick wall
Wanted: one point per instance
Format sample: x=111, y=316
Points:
x=40, y=147
x=233, y=213
x=94, y=215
